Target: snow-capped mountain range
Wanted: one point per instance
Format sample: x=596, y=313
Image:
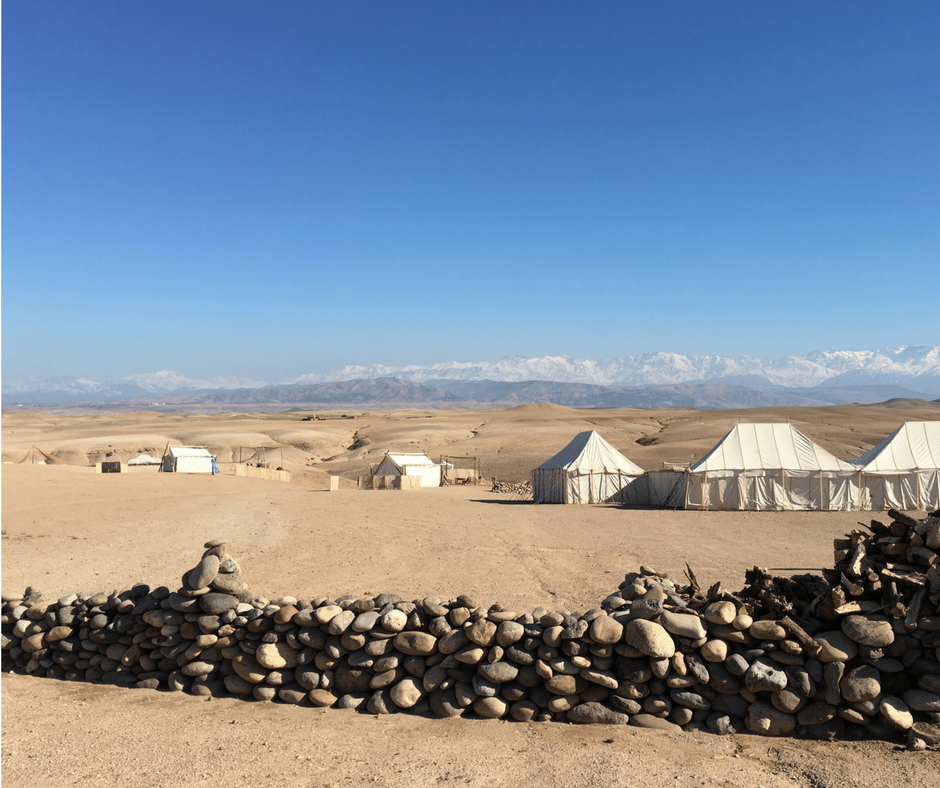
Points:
x=917, y=368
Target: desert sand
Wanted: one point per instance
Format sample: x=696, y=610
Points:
x=67, y=529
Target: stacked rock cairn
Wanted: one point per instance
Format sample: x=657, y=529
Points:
x=853, y=653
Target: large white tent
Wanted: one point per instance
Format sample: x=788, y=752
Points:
x=589, y=470
x=401, y=463
x=903, y=471
x=771, y=467
x=188, y=459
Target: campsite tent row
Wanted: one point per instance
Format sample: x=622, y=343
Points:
x=758, y=467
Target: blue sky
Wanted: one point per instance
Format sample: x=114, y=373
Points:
x=273, y=189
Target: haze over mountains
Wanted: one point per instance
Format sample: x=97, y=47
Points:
x=646, y=380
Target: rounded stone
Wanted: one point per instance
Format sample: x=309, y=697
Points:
x=237, y=685
x=498, y=672
x=764, y=676
x=490, y=708
x=246, y=666
x=922, y=700
x=721, y=613
x=896, y=713
x=321, y=698
x=765, y=720
x=836, y=646
x=868, y=632
x=394, y=620
x=407, y=692
x=482, y=632
x=365, y=621
x=523, y=711
x=860, y=684
x=650, y=638
x=443, y=703
x=419, y=644
x=198, y=668
x=767, y=630
x=606, y=630
x=215, y=604
x=264, y=692
x=714, y=650
x=682, y=625
x=204, y=573
x=816, y=713
x=277, y=655
x=597, y=713
x=509, y=632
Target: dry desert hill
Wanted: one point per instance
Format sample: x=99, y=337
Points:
x=67, y=529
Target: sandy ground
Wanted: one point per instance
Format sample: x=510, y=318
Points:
x=68, y=529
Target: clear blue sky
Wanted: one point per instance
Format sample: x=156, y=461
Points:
x=272, y=189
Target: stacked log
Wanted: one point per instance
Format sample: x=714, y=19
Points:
x=521, y=489
x=778, y=658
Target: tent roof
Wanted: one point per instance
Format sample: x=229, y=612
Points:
x=915, y=445
x=401, y=458
x=144, y=459
x=188, y=451
x=588, y=451
x=753, y=447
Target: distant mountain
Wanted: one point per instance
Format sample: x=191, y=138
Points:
x=916, y=368
x=648, y=380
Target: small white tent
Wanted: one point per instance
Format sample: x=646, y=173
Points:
x=589, y=470
x=410, y=464
x=903, y=471
x=766, y=467
x=188, y=459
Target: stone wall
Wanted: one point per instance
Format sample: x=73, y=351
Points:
x=854, y=653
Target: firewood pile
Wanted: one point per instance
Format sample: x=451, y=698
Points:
x=521, y=489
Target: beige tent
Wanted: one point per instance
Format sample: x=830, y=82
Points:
x=903, y=471
x=188, y=459
x=400, y=463
x=589, y=470
x=764, y=467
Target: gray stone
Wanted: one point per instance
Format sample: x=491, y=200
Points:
x=443, y=703
x=498, y=672
x=922, y=700
x=597, y=713
x=204, y=572
x=215, y=604
x=764, y=676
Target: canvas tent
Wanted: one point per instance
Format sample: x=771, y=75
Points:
x=763, y=467
x=410, y=464
x=903, y=471
x=188, y=459
x=589, y=470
